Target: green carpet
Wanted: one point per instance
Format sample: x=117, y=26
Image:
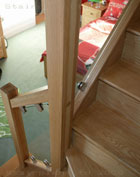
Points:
x=23, y=69
x=4, y=127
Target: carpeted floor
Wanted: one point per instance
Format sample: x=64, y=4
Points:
x=23, y=69
x=4, y=127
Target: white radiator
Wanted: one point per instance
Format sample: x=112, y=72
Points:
x=18, y=15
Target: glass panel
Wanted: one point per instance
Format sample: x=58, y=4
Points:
x=37, y=131
x=7, y=149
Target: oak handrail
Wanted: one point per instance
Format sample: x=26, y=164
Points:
x=106, y=50
x=36, y=96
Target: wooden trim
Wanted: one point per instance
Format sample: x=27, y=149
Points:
x=38, y=164
x=13, y=164
x=15, y=122
x=103, y=157
x=33, y=97
x=40, y=18
x=105, y=52
x=2, y=40
x=9, y=166
x=62, y=49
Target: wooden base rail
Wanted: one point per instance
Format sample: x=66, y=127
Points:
x=36, y=96
x=38, y=164
x=13, y=164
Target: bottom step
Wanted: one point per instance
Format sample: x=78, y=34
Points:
x=80, y=165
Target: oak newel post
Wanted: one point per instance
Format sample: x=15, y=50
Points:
x=62, y=29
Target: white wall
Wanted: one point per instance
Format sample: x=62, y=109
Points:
x=18, y=16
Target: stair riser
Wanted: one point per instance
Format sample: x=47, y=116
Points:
x=119, y=101
x=131, y=51
x=102, y=157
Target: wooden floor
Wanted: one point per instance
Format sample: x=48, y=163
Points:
x=28, y=172
x=35, y=172
x=11, y=169
x=110, y=130
x=82, y=166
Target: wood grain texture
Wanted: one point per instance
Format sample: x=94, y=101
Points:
x=119, y=101
x=9, y=166
x=124, y=79
x=38, y=164
x=131, y=51
x=81, y=166
x=36, y=96
x=135, y=28
x=116, y=54
x=105, y=52
x=62, y=50
x=35, y=172
x=3, y=53
x=11, y=169
x=110, y=130
x=101, y=156
x=40, y=18
x=15, y=122
x=90, y=98
x=30, y=172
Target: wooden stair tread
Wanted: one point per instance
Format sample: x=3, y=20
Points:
x=134, y=28
x=81, y=166
x=110, y=131
x=125, y=79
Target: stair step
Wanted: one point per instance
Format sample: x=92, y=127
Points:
x=124, y=79
x=131, y=49
x=119, y=101
x=114, y=135
x=134, y=28
x=81, y=166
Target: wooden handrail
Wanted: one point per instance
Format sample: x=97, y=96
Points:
x=33, y=97
x=106, y=50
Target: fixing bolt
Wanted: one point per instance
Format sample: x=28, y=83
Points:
x=46, y=162
x=33, y=159
x=81, y=86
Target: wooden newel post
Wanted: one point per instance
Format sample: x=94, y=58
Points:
x=14, y=117
x=62, y=29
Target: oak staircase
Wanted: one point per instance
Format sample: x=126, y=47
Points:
x=106, y=128
x=106, y=135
